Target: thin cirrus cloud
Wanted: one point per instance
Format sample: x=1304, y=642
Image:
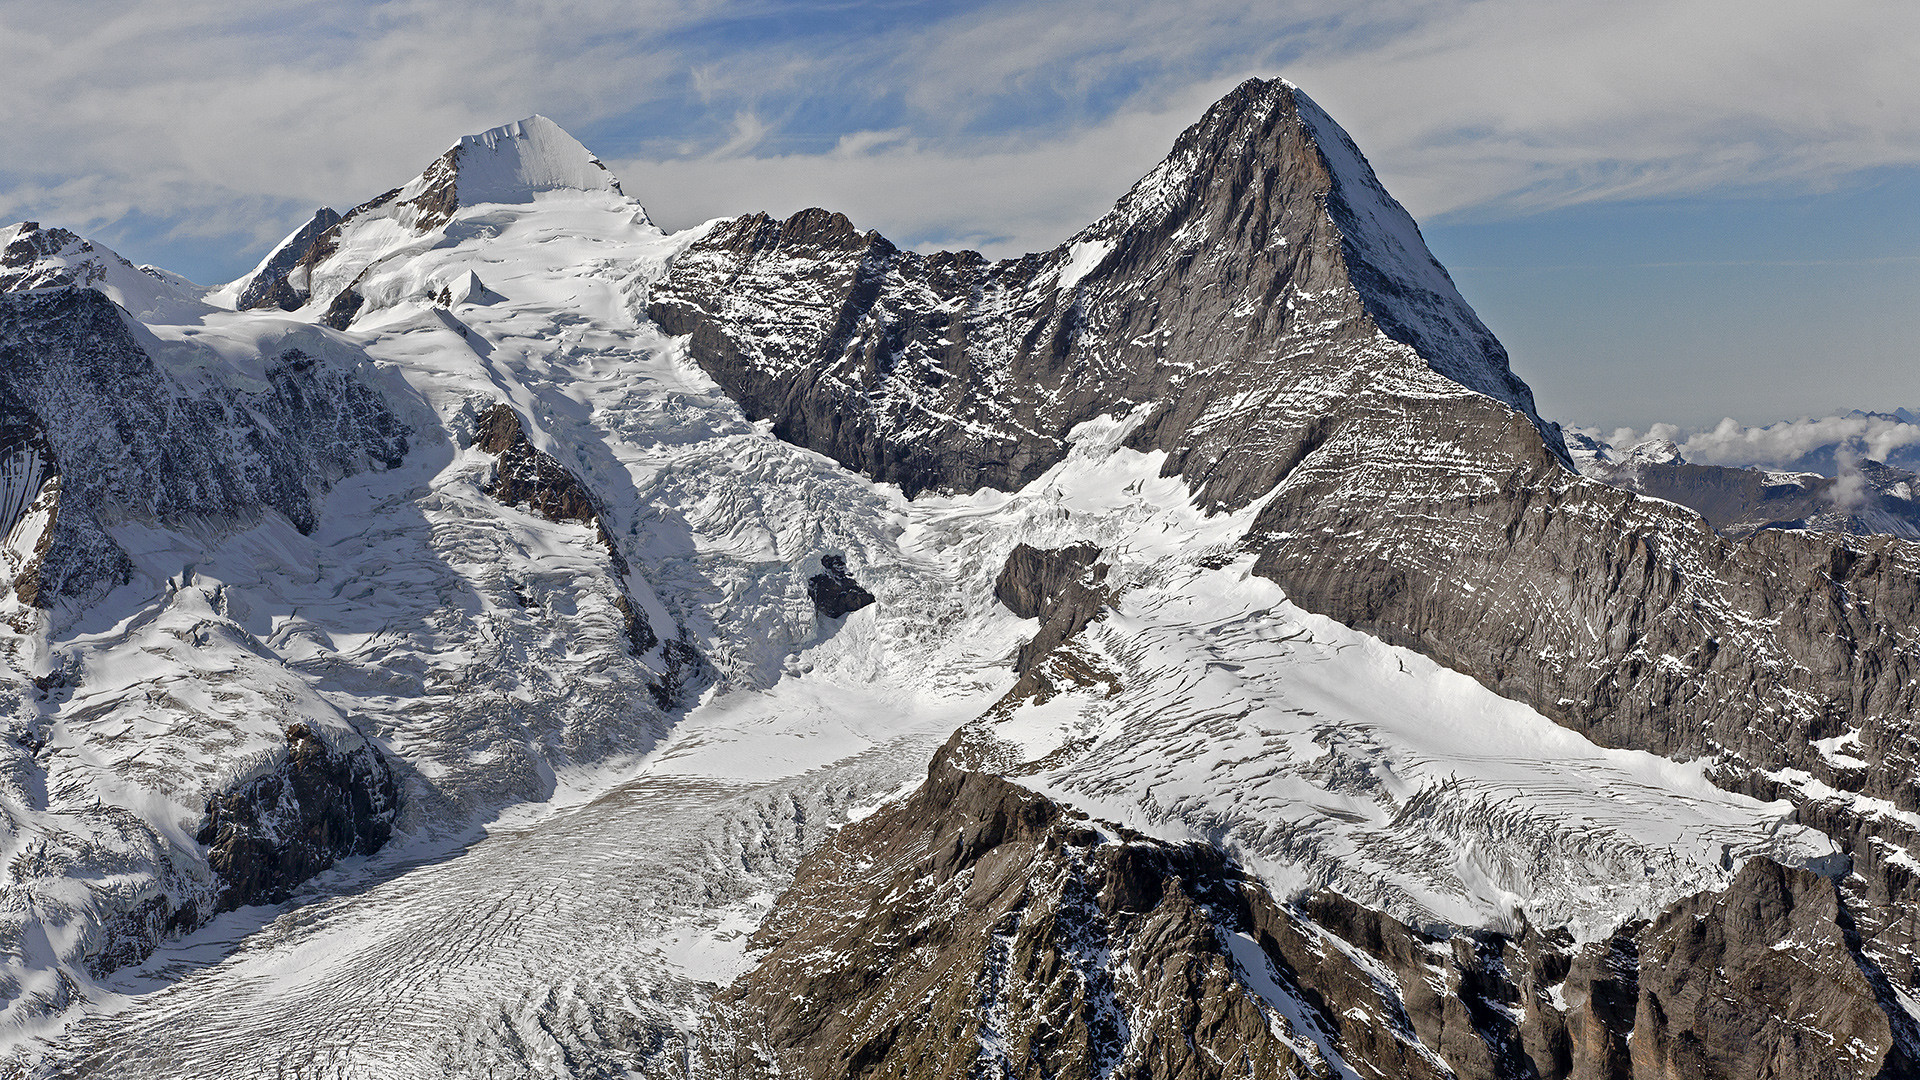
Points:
x=1005, y=126
x=1472, y=110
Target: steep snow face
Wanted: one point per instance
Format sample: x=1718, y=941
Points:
x=35, y=258
x=1406, y=289
x=514, y=162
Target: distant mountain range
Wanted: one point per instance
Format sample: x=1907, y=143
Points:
x=1832, y=488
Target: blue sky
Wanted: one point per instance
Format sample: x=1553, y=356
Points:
x=1669, y=211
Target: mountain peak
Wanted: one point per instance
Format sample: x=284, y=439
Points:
x=513, y=162
x=1243, y=175
x=34, y=257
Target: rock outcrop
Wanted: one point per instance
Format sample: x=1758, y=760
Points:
x=268, y=285
x=317, y=805
x=532, y=478
x=834, y=592
x=1061, y=588
x=979, y=928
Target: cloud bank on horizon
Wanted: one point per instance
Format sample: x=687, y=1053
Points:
x=1004, y=126
x=1788, y=444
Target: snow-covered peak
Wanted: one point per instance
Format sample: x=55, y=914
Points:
x=512, y=162
x=1653, y=452
x=32, y=257
x=339, y=268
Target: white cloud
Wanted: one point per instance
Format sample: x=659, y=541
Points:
x=998, y=195
x=1780, y=445
x=1006, y=124
x=1512, y=104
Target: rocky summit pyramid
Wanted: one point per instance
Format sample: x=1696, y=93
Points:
x=499, y=637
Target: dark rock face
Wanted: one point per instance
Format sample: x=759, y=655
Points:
x=1061, y=950
x=527, y=476
x=132, y=444
x=1062, y=588
x=29, y=499
x=949, y=372
x=345, y=306
x=1762, y=981
x=834, y=593
x=318, y=806
x=269, y=286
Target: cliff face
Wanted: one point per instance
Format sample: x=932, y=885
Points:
x=131, y=443
x=979, y=928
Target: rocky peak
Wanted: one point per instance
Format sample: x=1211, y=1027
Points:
x=1257, y=270
x=1251, y=175
x=34, y=257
